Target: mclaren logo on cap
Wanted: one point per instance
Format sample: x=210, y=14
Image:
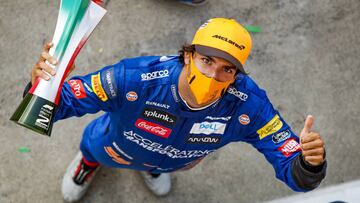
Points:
x=241, y=47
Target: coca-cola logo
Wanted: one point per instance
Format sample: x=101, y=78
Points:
x=153, y=128
x=77, y=88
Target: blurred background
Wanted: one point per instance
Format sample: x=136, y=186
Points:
x=306, y=56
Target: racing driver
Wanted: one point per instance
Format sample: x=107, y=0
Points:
x=166, y=113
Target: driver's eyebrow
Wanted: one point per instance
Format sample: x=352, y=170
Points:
x=212, y=59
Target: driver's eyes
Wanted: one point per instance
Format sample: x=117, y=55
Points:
x=228, y=70
x=206, y=61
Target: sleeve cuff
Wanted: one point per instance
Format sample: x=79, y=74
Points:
x=305, y=176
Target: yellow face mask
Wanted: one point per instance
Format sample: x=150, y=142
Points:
x=204, y=88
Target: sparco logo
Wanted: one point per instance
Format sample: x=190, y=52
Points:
x=153, y=128
x=242, y=96
x=154, y=75
x=241, y=47
x=44, y=117
x=159, y=116
x=203, y=139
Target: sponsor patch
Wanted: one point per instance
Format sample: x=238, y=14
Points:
x=208, y=128
x=289, y=147
x=203, y=139
x=121, y=151
x=153, y=128
x=242, y=96
x=281, y=136
x=173, y=92
x=97, y=87
x=151, y=103
x=218, y=118
x=115, y=157
x=131, y=96
x=160, y=116
x=155, y=75
x=166, y=150
x=87, y=87
x=77, y=88
x=271, y=127
x=110, y=85
x=166, y=58
x=244, y=119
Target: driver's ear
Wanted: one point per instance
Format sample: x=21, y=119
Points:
x=187, y=58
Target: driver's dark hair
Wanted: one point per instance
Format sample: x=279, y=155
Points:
x=191, y=48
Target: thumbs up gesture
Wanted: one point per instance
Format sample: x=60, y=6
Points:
x=311, y=144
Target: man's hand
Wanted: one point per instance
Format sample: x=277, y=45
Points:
x=311, y=144
x=41, y=68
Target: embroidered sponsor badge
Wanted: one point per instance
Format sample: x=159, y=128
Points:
x=77, y=89
x=131, y=96
x=208, y=128
x=218, y=118
x=152, y=103
x=203, y=139
x=153, y=128
x=271, y=127
x=110, y=85
x=281, y=136
x=244, y=119
x=155, y=75
x=160, y=116
x=97, y=87
x=242, y=96
x=289, y=147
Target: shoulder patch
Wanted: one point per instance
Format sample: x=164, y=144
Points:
x=97, y=87
x=271, y=127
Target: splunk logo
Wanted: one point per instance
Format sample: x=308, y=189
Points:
x=44, y=117
x=155, y=75
x=160, y=116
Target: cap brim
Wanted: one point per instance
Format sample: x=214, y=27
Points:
x=209, y=51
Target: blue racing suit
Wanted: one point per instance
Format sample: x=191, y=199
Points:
x=147, y=126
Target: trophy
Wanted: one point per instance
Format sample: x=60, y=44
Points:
x=76, y=21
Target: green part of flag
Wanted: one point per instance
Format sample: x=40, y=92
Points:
x=24, y=150
x=253, y=29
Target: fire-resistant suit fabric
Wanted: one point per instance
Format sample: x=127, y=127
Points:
x=147, y=126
